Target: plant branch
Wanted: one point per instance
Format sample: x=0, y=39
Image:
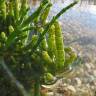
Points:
x=37, y=88
x=51, y=23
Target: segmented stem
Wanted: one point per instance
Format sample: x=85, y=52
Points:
x=45, y=13
x=31, y=18
x=16, y=9
x=3, y=8
x=70, y=56
x=60, y=54
x=51, y=42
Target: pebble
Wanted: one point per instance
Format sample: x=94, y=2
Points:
x=94, y=73
x=72, y=89
x=50, y=94
x=77, y=81
x=88, y=66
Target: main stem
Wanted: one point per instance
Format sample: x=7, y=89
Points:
x=37, y=88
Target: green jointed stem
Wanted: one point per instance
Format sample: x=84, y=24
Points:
x=24, y=6
x=11, y=12
x=31, y=18
x=44, y=15
x=16, y=9
x=43, y=45
x=3, y=8
x=43, y=18
x=46, y=57
x=23, y=15
x=70, y=56
x=34, y=39
x=23, y=10
x=60, y=54
x=51, y=42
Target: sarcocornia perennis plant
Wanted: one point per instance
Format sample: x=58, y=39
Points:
x=31, y=48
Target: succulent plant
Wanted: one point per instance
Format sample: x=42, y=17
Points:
x=25, y=51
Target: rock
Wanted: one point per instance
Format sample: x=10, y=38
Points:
x=72, y=89
x=69, y=81
x=50, y=94
x=68, y=90
x=94, y=73
x=77, y=81
x=84, y=91
x=88, y=66
x=63, y=91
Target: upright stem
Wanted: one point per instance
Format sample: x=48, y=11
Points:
x=37, y=88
